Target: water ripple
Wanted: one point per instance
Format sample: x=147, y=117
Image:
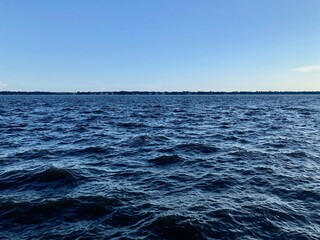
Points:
x=160, y=167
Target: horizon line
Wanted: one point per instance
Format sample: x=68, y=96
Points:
x=125, y=92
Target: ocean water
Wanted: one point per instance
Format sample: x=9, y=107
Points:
x=160, y=167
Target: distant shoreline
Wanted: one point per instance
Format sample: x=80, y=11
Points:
x=156, y=93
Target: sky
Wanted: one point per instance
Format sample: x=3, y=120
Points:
x=160, y=45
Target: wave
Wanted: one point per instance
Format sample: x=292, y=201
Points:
x=165, y=160
x=211, y=182
x=131, y=125
x=126, y=217
x=244, y=153
x=175, y=227
x=41, y=154
x=197, y=147
x=38, y=179
x=297, y=154
x=65, y=209
x=144, y=140
x=91, y=150
x=137, y=141
x=34, y=154
x=306, y=195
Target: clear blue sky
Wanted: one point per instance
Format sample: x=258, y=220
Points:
x=64, y=45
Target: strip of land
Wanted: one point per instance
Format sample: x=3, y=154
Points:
x=153, y=92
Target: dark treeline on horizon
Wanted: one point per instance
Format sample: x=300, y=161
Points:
x=153, y=92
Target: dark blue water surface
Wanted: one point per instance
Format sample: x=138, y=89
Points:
x=160, y=167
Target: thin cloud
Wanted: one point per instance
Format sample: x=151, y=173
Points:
x=3, y=85
x=307, y=69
